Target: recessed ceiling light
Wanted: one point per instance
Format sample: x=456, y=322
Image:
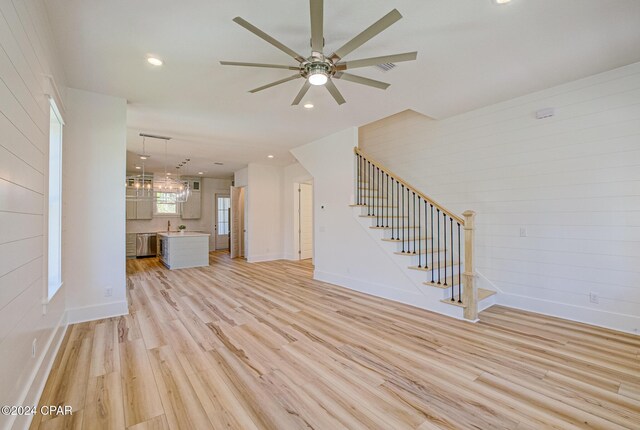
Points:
x=154, y=61
x=308, y=105
x=200, y=173
x=269, y=156
x=501, y=1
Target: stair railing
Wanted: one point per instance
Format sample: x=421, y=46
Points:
x=442, y=241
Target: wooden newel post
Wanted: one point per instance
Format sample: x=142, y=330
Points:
x=470, y=293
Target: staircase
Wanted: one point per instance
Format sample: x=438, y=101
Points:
x=434, y=246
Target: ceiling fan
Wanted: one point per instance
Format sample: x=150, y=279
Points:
x=319, y=69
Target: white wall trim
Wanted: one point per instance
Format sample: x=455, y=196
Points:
x=610, y=320
x=97, y=312
x=265, y=257
x=33, y=390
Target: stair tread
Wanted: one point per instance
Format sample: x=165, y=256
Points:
x=388, y=228
x=381, y=216
x=421, y=252
x=449, y=280
x=442, y=266
x=482, y=294
x=400, y=240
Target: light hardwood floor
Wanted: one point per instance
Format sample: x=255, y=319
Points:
x=252, y=346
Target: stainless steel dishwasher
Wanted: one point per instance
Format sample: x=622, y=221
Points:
x=146, y=245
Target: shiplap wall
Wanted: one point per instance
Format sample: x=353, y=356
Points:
x=572, y=181
x=26, y=56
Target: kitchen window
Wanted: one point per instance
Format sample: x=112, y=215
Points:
x=166, y=204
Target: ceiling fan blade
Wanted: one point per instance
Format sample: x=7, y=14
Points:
x=301, y=94
x=334, y=92
x=273, y=84
x=373, y=30
x=361, y=80
x=268, y=66
x=365, y=62
x=317, y=23
x=261, y=34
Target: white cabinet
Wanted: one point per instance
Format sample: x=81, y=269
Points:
x=144, y=209
x=192, y=208
x=131, y=244
x=131, y=204
x=138, y=209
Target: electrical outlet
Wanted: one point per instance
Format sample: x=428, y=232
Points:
x=108, y=292
x=33, y=348
x=594, y=298
x=523, y=232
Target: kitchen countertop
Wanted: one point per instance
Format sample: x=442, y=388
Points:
x=185, y=234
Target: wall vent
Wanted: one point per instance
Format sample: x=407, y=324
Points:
x=385, y=67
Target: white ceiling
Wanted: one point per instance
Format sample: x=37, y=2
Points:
x=471, y=53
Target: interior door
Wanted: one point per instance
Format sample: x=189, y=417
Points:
x=235, y=225
x=222, y=221
x=306, y=221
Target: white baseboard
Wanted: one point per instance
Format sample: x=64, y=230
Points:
x=264, y=257
x=33, y=390
x=611, y=320
x=97, y=312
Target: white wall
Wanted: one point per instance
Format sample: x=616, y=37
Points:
x=293, y=174
x=210, y=187
x=94, y=164
x=26, y=55
x=264, y=208
x=572, y=181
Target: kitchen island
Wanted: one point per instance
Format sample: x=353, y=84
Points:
x=183, y=250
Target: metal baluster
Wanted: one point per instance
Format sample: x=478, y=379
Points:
x=459, y=269
x=376, y=205
x=403, y=218
x=388, y=203
x=366, y=196
x=432, y=248
x=444, y=221
x=357, y=180
x=452, y=277
x=414, y=223
x=409, y=221
x=426, y=235
x=392, y=210
x=438, y=245
x=419, y=235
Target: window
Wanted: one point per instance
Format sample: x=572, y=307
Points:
x=166, y=204
x=223, y=215
x=54, y=236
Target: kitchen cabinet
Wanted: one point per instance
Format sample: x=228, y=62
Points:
x=138, y=209
x=131, y=204
x=131, y=244
x=192, y=208
x=144, y=209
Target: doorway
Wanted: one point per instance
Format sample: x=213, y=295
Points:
x=305, y=221
x=221, y=223
x=237, y=222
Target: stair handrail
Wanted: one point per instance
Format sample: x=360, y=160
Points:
x=399, y=179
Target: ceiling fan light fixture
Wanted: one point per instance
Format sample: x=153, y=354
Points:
x=318, y=77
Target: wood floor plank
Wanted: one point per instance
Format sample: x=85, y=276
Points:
x=140, y=393
x=264, y=346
